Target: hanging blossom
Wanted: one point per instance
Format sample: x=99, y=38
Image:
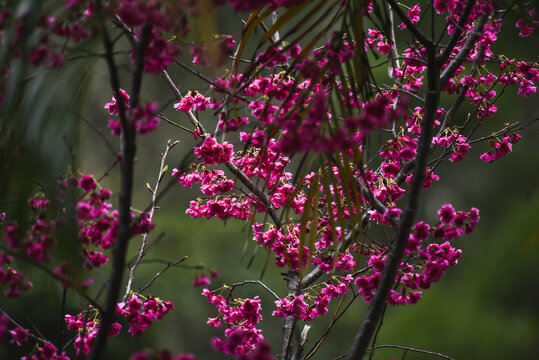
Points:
x=98, y=223
x=243, y=339
x=500, y=149
x=37, y=245
x=143, y=117
x=139, y=312
x=213, y=153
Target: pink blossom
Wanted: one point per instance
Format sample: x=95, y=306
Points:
x=18, y=336
x=446, y=214
x=211, y=152
x=201, y=281
x=185, y=104
x=383, y=47
x=390, y=169
x=87, y=183
x=113, y=106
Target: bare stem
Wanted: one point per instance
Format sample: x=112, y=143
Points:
x=156, y=276
x=155, y=190
x=245, y=282
x=413, y=350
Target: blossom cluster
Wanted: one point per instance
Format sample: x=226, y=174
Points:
x=243, y=339
x=36, y=245
x=143, y=117
x=295, y=111
x=139, y=312
x=98, y=223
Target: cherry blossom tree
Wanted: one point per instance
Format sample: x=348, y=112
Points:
x=309, y=143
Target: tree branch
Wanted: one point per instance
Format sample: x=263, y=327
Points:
x=412, y=349
x=375, y=310
x=426, y=42
x=456, y=34
x=154, y=191
x=127, y=170
x=464, y=51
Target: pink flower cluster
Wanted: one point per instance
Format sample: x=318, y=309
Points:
x=435, y=258
x=284, y=243
x=46, y=352
x=413, y=15
x=213, y=153
x=214, y=182
x=18, y=336
x=225, y=208
x=527, y=25
x=499, y=149
x=159, y=54
x=143, y=116
x=193, y=101
x=376, y=40
x=98, y=222
x=36, y=245
x=455, y=224
x=113, y=106
x=297, y=306
x=458, y=143
x=86, y=325
x=17, y=281
x=141, y=313
x=243, y=339
x=229, y=125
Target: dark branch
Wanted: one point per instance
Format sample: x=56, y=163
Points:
x=458, y=31
x=375, y=310
x=426, y=42
x=127, y=169
x=464, y=51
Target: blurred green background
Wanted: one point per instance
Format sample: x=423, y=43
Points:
x=485, y=308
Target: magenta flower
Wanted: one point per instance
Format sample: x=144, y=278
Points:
x=185, y=104
x=201, y=281
x=18, y=336
x=87, y=183
x=213, y=153
x=446, y=214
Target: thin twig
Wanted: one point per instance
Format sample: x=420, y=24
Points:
x=100, y=134
x=409, y=25
x=155, y=190
x=245, y=282
x=22, y=327
x=163, y=117
x=509, y=128
x=406, y=348
x=168, y=266
x=464, y=51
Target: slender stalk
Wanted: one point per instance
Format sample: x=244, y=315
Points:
x=155, y=190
